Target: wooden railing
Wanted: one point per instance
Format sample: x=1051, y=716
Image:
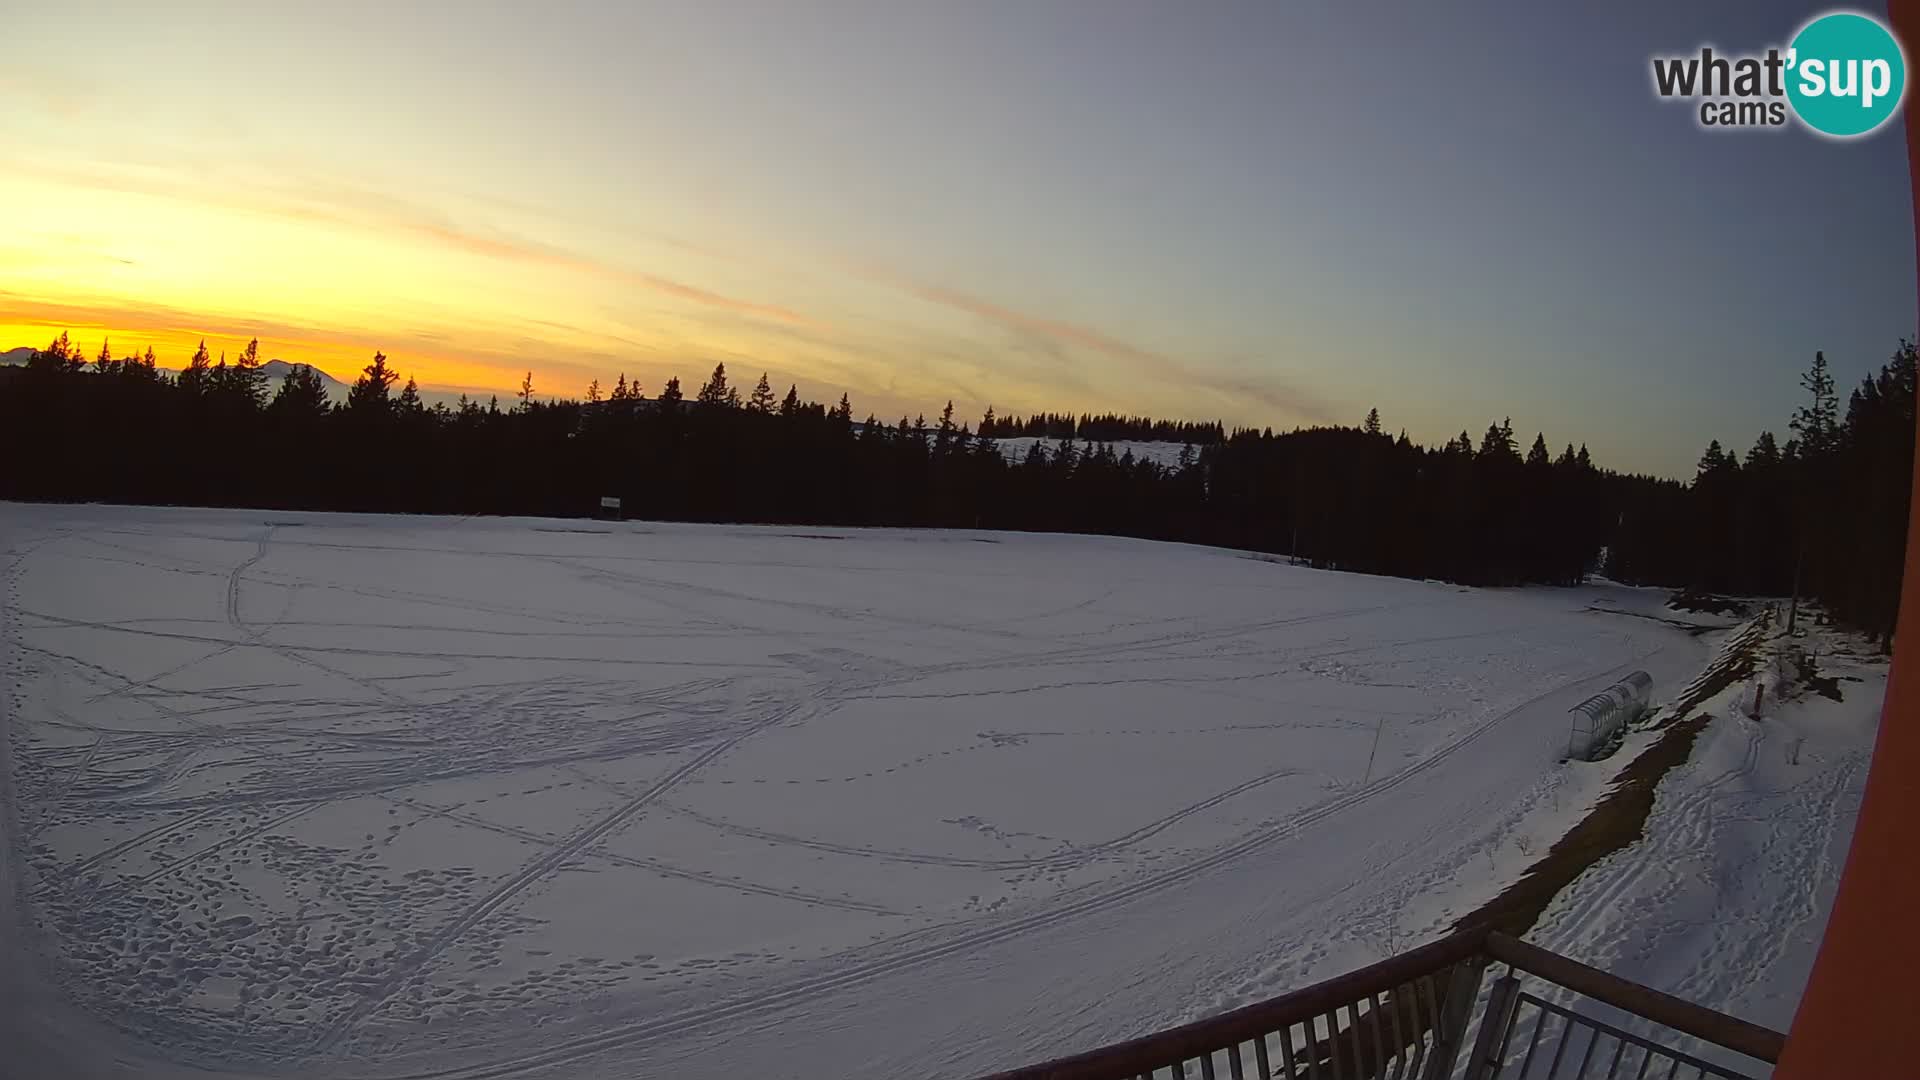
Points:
x=1408, y=1017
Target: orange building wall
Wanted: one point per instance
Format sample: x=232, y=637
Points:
x=1860, y=1016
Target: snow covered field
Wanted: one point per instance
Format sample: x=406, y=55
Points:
x=385, y=796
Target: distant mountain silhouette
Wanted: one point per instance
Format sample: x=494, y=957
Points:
x=275, y=370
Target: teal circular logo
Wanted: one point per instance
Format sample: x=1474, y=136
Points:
x=1846, y=75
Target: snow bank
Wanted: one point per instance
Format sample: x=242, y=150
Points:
x=1724, y=901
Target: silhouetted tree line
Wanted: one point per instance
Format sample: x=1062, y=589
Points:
x=1822, y=515
x=1108, y=428
x=1826, y=509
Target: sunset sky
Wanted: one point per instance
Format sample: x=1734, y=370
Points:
x=1270, y=213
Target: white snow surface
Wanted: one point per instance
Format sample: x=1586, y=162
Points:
x=343, y=795
x=1726, y=898
x=1160, y=453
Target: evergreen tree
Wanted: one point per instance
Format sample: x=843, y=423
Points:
x=762, y=400
x=370, y=395
x=1372, y=425
x=1335, y=496
x=715, y=392
x=593, y=392
x=984, y=444
x=670, y=395
x=526, y=392
x=1816, y=423
x=60, y=357
x=943, y=433
x=1537, y=454
x=1714, y=460
x=302, y=397
x=244, y=383
x=195, y=380
x=1816, y=436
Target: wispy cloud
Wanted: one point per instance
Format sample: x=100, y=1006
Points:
x=346, y=205
x=131, y=315
x=337, y=204
x=1038, y=326
x=1246, y=394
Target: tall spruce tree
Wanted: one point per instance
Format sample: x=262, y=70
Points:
x=245, y=384
x=762, y=401
x=371, y=394
x=196, y=377
x=1537, y=454
x=715, y=392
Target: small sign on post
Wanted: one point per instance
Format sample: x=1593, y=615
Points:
x=610, y=509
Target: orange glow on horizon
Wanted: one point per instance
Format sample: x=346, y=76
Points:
x=173, y=347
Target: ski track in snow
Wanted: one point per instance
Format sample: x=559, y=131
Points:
x=905, y=959
x=333, y=794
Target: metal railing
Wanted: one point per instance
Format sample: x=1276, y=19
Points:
x=1628, y=1048
x=1406, y=1018
x=1525, y=1035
